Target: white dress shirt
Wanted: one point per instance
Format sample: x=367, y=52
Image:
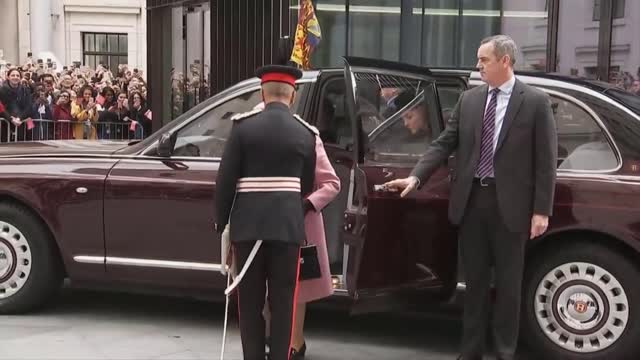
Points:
x=501, y=108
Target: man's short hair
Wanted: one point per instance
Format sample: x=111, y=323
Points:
x=278, y=90
x=502, y=45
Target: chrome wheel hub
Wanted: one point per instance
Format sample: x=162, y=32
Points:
x=581, y=307
x=15, y=260
x=6, y=260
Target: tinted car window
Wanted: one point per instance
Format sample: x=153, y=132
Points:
x=398, y=113
x=448, y=95
x=582, y=145
x=332, y=121
x=206, y=136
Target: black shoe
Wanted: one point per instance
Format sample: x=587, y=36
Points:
x=473, y=357
x=298, y=354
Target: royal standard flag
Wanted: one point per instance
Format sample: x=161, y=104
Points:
x=307, y=35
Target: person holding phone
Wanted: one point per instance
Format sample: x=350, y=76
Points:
x=138, y=113
x=62, y=116
x=85, y=114
x=17, y=100
x=41, y=115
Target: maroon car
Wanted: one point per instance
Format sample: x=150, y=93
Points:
x=139, y=216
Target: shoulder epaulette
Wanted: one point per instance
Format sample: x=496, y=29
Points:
x=245, y=115
x=306, y=124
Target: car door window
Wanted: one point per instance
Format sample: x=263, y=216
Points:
x=401, y=116
x=582, y=144
x=332, y=120
x=448, y=95
x=207, y=135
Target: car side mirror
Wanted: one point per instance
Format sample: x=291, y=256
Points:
x=166, y=144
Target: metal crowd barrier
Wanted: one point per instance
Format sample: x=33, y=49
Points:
x=39, y=130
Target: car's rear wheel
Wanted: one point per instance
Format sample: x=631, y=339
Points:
x=30, y=270
x=581, y=302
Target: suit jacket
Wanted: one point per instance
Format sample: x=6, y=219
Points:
x=524, y=161
x=265, y=146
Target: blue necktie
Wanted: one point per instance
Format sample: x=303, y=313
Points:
x=485, y=164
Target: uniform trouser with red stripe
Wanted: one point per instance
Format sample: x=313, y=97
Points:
x=275, y=266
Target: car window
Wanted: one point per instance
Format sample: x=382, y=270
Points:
x=398, y=113
x=449, y=95
x=207, y=135
x=332, y=120
x=582, y=144
x=407, y=132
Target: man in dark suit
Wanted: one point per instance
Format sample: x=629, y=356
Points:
x=502, y=189
x=267, y=168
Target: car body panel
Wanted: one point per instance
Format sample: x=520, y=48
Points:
x=67, y=194
x=162, y=210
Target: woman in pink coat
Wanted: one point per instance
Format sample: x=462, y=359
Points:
x=326, y=188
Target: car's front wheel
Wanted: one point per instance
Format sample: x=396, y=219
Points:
x=582, y=302
x=30, y=270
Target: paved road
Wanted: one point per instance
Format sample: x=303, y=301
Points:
x=93, y=325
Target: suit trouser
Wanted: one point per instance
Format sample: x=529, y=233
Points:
x=276, y=266
x=486, y=240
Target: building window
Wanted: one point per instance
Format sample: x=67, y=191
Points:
x=109, y=50
x=618, y=9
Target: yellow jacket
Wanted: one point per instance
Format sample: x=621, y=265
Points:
x=81, y=115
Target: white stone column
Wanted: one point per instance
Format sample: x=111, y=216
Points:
x=41, y=29
x=9, y=31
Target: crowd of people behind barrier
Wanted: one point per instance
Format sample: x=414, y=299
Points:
x=38, y=102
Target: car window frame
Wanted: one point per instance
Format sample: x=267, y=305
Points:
x=403, y=158
x=251, y=87
x=203, y=114
x=596, y=119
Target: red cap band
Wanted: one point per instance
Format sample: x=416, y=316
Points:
x=279, y=77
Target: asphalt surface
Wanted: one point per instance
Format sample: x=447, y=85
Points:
x=93, y=325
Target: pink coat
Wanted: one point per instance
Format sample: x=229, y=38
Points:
x=326, y=187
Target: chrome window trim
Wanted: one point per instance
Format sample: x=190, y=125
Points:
x=580, y=104
x=150, y=263
x=252, y=85
x=600, y=123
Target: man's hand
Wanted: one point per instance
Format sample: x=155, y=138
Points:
x=539, y=224
x=407, y=185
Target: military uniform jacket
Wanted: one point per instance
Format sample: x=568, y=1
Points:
x=266, y=171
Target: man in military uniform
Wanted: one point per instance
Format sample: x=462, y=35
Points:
x=266, y=171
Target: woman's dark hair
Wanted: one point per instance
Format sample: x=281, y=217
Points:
x=12, y=70
x=85, y=88
x=37, y=89
x=108, y=89
x=132, y=95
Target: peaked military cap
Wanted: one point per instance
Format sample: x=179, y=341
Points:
x=279, y=73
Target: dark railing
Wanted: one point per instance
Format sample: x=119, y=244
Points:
x=39, y=130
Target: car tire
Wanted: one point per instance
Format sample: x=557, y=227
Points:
x=582, y=302
x=30, y=268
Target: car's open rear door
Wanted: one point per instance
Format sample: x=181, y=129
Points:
x=397, y=248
